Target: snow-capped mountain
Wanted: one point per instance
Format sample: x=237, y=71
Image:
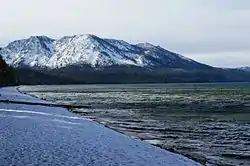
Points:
x=80, y=50
x=90, y=59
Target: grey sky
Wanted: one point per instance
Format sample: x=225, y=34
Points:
x=211, y=31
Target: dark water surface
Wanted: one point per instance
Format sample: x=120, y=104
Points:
x=209, y=123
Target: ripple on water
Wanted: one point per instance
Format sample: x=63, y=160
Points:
x=209, y=123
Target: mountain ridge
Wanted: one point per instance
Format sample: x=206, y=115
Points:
x=90, y=59
x=42, y=51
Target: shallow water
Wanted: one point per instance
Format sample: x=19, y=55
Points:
x=209, y=123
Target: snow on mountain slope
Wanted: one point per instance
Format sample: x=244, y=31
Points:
x=80, y=50
x=90, y=50
x=33, y=51
x=160, y=57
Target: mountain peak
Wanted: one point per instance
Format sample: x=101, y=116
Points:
x=40, y=38
x=146, y=45
x=31, y=39
x=85, y=36
x=87, y=49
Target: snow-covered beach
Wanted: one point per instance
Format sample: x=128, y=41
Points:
x=40, y=135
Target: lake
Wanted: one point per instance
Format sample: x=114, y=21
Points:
x=209, y=123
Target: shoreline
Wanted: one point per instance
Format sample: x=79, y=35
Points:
x=106, y=126
x=53, y=136
x=203, y=162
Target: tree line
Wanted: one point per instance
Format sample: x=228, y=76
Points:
x=7, y=74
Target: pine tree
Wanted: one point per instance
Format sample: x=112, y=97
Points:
x=7, y=74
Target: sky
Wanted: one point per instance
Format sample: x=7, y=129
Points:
x=215, y=32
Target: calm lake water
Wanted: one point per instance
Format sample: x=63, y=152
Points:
x=209, y=123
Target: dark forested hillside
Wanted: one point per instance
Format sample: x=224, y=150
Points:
x=7, y=74
x=127, y=74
